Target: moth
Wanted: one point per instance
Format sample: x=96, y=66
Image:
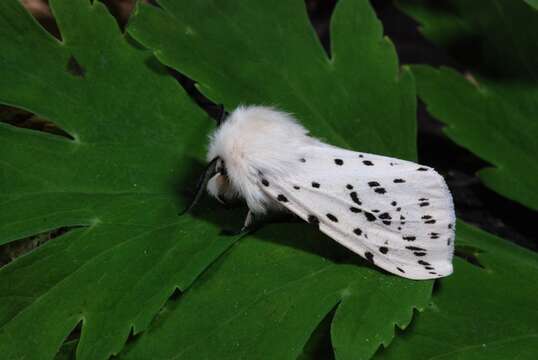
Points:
x=396, y=214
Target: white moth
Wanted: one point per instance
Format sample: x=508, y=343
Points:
x=397, y=214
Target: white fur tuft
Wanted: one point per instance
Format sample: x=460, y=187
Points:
x=254, y=140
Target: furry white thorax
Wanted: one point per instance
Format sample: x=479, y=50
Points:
x=255, y=140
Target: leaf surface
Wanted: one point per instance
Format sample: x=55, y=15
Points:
x=261, y=52
x=492, y=111
x=265, y=299
x=494, y=120
x=478, y=313
x=135, y=137
x=533, y=3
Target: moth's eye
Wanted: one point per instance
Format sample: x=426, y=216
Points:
x=222, y=169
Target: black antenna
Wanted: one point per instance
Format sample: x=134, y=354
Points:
x=210, y=171
x=223, y=115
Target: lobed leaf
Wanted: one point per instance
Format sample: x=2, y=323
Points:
x=265, y=299
x=493, y=37
x=491, y=113
x=486, y=312
x=135, y=137
x=259, y=52
x=494, y=120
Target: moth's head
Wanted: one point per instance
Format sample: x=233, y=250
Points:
x=219, y=185
x=249, y=141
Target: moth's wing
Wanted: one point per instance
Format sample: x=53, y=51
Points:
x=397, y=214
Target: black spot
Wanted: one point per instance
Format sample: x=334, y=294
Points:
x=400, y=270
x=394, y=203
x=426, y=217
x=399, y=228
x=75, y=68
x=433, y=237
x=349, y=187
x=332, y=217
x=398, y=181
x=409, y=238
x=338, y=161
x=434, y=233
x=429, y=222
x=315, y=185
x=368, y=163
x=425, y=263
x=384, y=249
x=373, y=183
x=398, y=209
x=355, y=198
x=448, y=242
x=433, y=273
x=429, y=268
x=450, y=226
x=422, y=199
x=282, y=198
x=422, y=169
x=313, y=220
x=369, y=256
x=424, y=204
x=303, y=160
x=361, y=155
x=385, y=216
x=386, y=222
x=296, y=187
x=357, y=231
x=414, y=248
x=380, y=190
x=354, y=209
x=265, y=182
x=419, y=253
x=369, y=216
x=375, y=211
x=402, y=217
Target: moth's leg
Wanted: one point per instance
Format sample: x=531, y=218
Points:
x=209, y=172
x=249, y=222
x=249, y=225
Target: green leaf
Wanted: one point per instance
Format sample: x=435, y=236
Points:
x=265, y=298
x=533, y=3
x=507, y=29
x=135, y=135
x=497, y=121
x=439, y=25
x=478, y=313
x=262, y=52
x=493, y=114
x=501, y=34
x=67, y=351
